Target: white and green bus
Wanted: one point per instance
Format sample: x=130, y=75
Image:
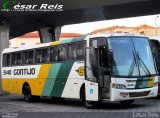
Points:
x=93, y=68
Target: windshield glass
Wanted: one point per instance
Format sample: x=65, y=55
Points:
x=131, y=56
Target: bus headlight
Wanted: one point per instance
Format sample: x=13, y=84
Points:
x=119, y=86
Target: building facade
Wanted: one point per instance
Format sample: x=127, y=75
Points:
x=143, y=29
x=33, y=38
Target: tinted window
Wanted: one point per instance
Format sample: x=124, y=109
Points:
x=13, y=60
x=72, y=52
x=25, y=57
x=76, y=51
x=53, y=54
x=8, y=59
x=19, y=58
x=38, y=56
x=62, y=53
x=80, y=50
x=30, y=57
x=45, y=55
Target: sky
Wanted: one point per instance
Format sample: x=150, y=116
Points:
x=88, y=27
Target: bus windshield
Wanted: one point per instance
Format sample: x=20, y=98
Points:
x=132, y=57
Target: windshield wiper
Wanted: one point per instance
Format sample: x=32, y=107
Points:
x=133, y=65
x=138, y=62
x=143, y=65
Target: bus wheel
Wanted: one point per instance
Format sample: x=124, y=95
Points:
x=126, y=102
x=27, y=94
x=90, y=104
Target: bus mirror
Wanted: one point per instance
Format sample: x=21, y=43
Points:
x=94, y=43
x=110, y=56
x=154, y=50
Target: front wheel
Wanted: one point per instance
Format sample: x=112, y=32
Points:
x=90, y=104
x=126, y=102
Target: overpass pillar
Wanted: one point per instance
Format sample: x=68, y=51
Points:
x=49, y=34
x=4, y=43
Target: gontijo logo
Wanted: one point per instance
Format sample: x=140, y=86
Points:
x=80, y=71
x=12, y=5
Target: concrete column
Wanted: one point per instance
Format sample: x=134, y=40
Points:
x=4, y=43
x=49, y=34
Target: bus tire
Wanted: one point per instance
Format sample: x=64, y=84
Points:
x=27, y=94
x=87, y=104
x=127, y=102
x=90, y=104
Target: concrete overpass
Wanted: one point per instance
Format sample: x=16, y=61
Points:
x=16, y=23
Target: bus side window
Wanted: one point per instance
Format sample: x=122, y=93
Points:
x=19, y=59
x=80, y=50
x=13, y=59
x=25, y=57
x=4, y=60
x=72, y=52
x=38, y=56
x=45, y=55
x=53, y=54
x=30, y=57
x=62, y=53
x=8, y=59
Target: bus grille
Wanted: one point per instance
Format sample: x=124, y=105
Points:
x=139, y=94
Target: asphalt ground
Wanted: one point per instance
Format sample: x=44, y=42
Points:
x=14, y=106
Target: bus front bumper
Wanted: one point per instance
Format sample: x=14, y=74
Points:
x=120, y=94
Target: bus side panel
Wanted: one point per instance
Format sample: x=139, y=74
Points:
x=61, y=79
x=14, y=83
x=51, y=78
x=74, y=81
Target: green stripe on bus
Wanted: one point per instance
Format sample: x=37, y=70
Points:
x=51, y=79
x=66, y=41
x=77, y=39
x=61, y=79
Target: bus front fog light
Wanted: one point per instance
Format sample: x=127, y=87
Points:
x=124, y=94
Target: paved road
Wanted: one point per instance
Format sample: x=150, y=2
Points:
x=73, y=108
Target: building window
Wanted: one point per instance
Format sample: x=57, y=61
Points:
x=22, y=44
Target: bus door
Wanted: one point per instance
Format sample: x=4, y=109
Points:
x=97, y=70
x=91, y=74
x=104, y=78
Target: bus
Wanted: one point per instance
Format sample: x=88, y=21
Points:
x=155, y=44
x=93, y=68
